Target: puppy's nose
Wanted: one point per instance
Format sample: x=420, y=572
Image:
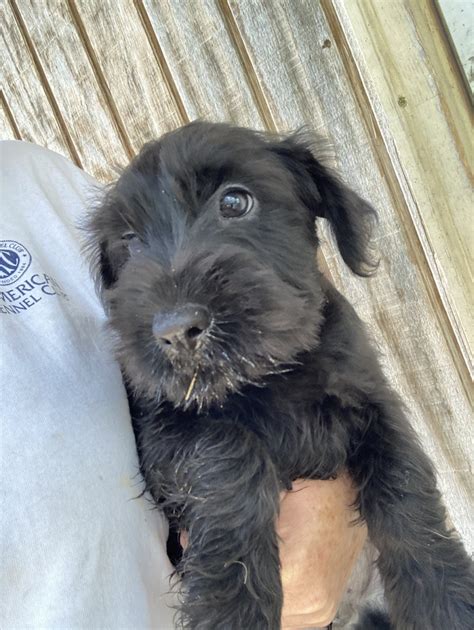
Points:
x=182, y=326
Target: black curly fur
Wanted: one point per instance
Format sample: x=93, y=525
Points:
x=286, y=382
x=373, y=620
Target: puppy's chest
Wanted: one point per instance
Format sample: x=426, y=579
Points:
x=305, y=438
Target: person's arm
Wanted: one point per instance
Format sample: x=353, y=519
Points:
x=319, y=545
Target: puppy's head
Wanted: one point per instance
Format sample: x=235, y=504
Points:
x=205, y=253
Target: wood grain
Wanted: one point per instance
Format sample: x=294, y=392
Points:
x=70, y=78
x=410, y=197
x=208, y=70
x=125, y=67
x=409, y=72
x=26, y=99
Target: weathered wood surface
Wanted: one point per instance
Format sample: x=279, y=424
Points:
x=24, y=92
x=82, y=109
x=94, y=79
x=208, y=71
x=426, y=124
x=135, y=90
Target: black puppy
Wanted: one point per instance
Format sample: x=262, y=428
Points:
x=246, y=369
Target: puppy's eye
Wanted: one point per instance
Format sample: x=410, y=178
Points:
x=131, y=240
x=129, y=236
x=235, y=203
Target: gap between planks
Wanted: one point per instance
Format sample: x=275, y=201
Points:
x=238, y=40
x=161, y=60
x=9, y=116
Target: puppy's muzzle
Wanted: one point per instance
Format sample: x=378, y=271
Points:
x=181, y=328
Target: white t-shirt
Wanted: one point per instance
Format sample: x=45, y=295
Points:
x=78, y=549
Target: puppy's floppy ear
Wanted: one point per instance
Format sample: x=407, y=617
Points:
x=106, y=276
x=351, y=218
x=96, y=249
x=103, y=259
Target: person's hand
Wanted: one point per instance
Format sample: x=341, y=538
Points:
x=318, y=548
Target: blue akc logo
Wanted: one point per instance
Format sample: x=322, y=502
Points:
x=14, y=261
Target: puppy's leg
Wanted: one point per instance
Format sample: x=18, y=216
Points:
x=226, y=493
x=427, y=574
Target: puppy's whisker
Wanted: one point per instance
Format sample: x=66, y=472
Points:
x=191, y=386
x=226, y=321
x=220, y=333
x=248, y=361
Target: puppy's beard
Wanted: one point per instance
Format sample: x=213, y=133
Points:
x=256, y=331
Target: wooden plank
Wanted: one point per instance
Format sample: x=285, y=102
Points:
x=299, y=64
x=69, y=77
x=427, y=128
x=126, y=69
x=207, y=69
x=292, y=74
x=25, y=101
